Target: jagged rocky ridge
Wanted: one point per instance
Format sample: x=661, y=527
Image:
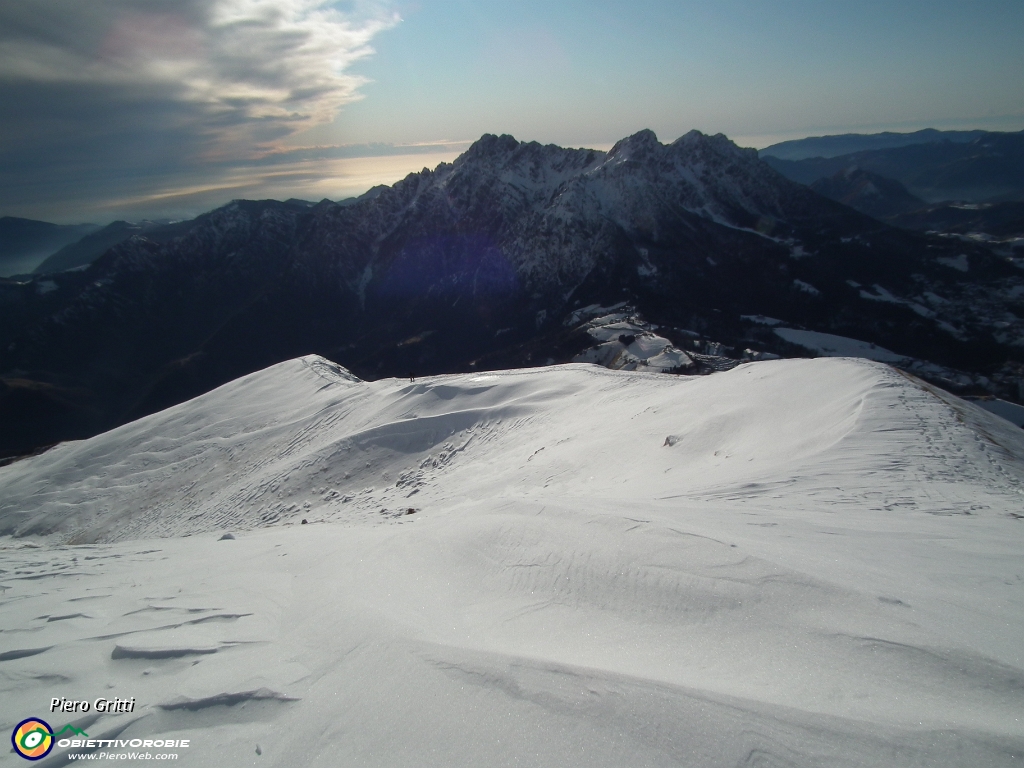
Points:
x=478, y=264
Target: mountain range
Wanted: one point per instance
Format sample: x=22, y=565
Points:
x=990, y=168
x=487, y=263
x=848, y=143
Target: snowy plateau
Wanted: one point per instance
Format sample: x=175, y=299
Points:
x=790, y=563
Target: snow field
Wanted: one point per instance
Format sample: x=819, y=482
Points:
x=793, y=563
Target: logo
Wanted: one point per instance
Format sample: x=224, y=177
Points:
x=32, y=738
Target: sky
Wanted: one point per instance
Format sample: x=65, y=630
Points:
x=167, y=108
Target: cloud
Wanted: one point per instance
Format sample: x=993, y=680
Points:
x=122, y=97
x=291, y=155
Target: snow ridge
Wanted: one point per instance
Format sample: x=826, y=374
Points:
x=305, y=437
x=795, y=562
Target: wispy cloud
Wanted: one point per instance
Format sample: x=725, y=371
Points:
x=116, y=96
x=332, y=178
x=286, y=155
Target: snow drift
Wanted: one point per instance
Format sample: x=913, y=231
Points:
x=307, y=439
x=797, y=562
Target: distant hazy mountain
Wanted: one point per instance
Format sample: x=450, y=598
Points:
x=94, y=245
x=489, y=262
x=24, y=243
x=990, y=168
x=848, y=143
x=868, y=193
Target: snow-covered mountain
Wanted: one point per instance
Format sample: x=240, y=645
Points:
x=478, y=264
x=795, y=562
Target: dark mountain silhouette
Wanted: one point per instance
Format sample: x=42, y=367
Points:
x=848, y=143
x=868, y=193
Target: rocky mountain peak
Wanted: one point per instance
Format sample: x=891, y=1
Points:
x=489, y=147
x=636, y=146
x=697, y=145
x=692, y=152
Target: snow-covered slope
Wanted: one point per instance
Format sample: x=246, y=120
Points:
x=307, y=439
x=797, y=562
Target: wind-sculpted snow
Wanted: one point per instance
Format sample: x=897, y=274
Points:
x=307, y=438
x=795, y=562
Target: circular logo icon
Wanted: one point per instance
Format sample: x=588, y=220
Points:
x=32, y=738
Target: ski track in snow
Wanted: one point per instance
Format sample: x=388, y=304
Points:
x=794, y=563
